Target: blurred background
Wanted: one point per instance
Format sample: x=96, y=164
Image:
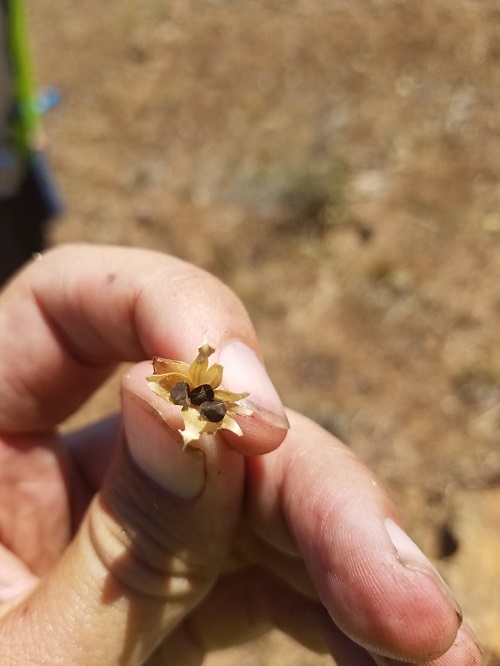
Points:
x=337, y=164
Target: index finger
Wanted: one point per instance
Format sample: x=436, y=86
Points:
x=68, y=319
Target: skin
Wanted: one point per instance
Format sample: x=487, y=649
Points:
x=101, y=563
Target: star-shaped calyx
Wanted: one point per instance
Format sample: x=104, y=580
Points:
x=206, y=408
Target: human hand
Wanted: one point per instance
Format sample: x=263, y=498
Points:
x=116, y=547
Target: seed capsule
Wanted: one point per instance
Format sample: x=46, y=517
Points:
x=213, y=410
x=201, y=394
x=179, y=393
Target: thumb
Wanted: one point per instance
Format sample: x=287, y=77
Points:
x=149, y=548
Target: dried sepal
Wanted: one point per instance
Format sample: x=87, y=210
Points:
x=206, y=408
x=156, y=388
x=198, y=369
x=162, y=366
x=239, y=409
x=194, y=425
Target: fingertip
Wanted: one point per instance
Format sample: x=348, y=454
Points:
x=267, y=425
x=244, y=372
x=389, y=605
x=259, y=436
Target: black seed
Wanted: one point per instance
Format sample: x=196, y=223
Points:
x=179, y=393
x=213, y=410
x=201, y=394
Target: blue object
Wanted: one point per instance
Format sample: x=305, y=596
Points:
x=48, y=99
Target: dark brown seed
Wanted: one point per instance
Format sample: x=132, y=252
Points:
x=179, y=393
x=213, y=410
x=201, y=394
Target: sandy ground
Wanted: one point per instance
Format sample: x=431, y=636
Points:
x=337, y=164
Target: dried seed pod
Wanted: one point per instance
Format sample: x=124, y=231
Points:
x=213, y=410
x=179, y=393
x=201, y=394
x=206, y=408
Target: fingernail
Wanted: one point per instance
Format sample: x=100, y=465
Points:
x=244, y=372
x=157, y=450
x=412, y=557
